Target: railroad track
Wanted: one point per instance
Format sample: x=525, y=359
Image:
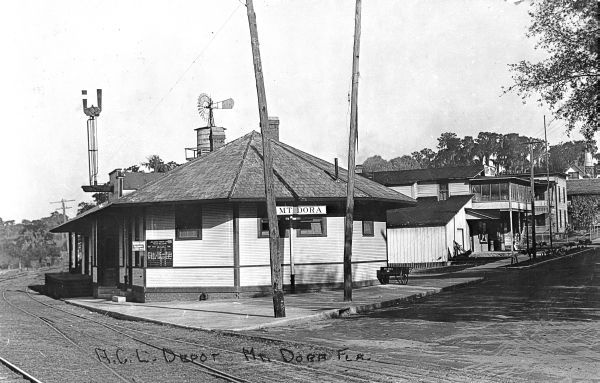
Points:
x=11, y=373
x=251, y=363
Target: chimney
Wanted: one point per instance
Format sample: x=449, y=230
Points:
x=217, y=137
x=273, y=128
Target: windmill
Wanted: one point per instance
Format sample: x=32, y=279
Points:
x=206, y=106
x=209, y=137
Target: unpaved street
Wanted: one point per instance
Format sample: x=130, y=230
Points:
x=530, y=325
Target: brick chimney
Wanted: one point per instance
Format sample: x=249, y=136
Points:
x=273, y=128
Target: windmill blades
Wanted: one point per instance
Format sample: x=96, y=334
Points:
x=204, y=105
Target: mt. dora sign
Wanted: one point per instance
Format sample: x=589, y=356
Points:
x=302, y=210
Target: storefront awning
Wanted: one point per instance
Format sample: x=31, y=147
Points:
x=480, y=214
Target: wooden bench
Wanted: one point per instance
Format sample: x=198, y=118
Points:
x=399, y=273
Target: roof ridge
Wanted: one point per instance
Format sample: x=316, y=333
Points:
x=237, y=174
x=182, y=166
x=279, y=177
x=288, y=149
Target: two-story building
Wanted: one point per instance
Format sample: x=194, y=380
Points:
x=496, y=216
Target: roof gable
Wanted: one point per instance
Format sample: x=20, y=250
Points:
x=428, y=212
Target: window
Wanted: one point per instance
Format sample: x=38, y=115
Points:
x=485, y=192
x=443, y=193
x=188, y=223
x=540, y=220
x=368, y=229
x=560, y=219
x=263, y=228
x=504, y=191
x=495, y=193
x=312, y=227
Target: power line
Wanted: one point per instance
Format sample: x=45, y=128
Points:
x=196, y=59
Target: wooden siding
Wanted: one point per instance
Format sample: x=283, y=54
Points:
x=214, y=249
x=332, y=273
x=427, y=190
x=459, y=188
x=416, y=245
x=189, y=277
x=94, y=274
x=407, y=190
x=307, y=251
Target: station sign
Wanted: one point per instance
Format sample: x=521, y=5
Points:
x=138, y=246
x=302, y=210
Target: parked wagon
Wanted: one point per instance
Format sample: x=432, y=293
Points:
x=398, y=272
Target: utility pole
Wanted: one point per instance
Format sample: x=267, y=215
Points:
x=64, y=216
x=275, y=256
x=533, y=247
x=548, y=183
x=348, y=222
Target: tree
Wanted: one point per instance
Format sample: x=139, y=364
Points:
x=403, y=163
x=375, y=164
x=583, y=211
x=487, y=146
x=566, y=154
x=567, y=80
x=156, y=165
x=425, y=157
x=448, y=149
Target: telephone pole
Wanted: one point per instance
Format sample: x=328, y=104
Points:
x=548, y=183
x=533, y=246
x=275, y=256
x=64, y=216
x=64, y=207
x=348, y=222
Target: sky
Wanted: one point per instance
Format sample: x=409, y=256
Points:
x=426, y=67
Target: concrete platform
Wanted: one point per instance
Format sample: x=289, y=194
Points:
x=256, y=313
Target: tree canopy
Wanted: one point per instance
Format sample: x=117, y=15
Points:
x=567, y=80
x=508, y=153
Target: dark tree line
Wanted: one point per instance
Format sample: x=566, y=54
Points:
x=508, y=153
x=30, y=243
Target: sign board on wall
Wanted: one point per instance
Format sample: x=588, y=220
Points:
x=138, y=246
x=159, y=252
x=302, y=210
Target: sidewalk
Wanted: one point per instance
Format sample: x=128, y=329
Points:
x=255, y=313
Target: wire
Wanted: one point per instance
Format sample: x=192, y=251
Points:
x=123, y=142
x=196, y=59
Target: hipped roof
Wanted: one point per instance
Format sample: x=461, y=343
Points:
x=234, y=172
x=428, y=212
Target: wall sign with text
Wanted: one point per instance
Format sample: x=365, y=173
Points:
x=302, y=210
x=159, y=252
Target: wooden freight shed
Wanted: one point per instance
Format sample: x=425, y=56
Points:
x=200, y=231
x=428, y=234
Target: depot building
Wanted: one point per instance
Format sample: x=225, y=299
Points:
x=201, y=230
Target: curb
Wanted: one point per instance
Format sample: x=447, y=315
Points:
x=329, y=314
x=547, y=261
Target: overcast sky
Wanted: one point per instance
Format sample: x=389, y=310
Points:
x=426, y=67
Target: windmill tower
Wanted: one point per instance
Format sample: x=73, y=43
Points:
x=93, y=112
x=209, y=137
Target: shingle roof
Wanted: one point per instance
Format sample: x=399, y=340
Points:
x=583, y=186
x=135, y=180
x=428, y=212
x=235, y=172
x=405, y=177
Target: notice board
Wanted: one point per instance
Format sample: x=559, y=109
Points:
x=159, y=252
